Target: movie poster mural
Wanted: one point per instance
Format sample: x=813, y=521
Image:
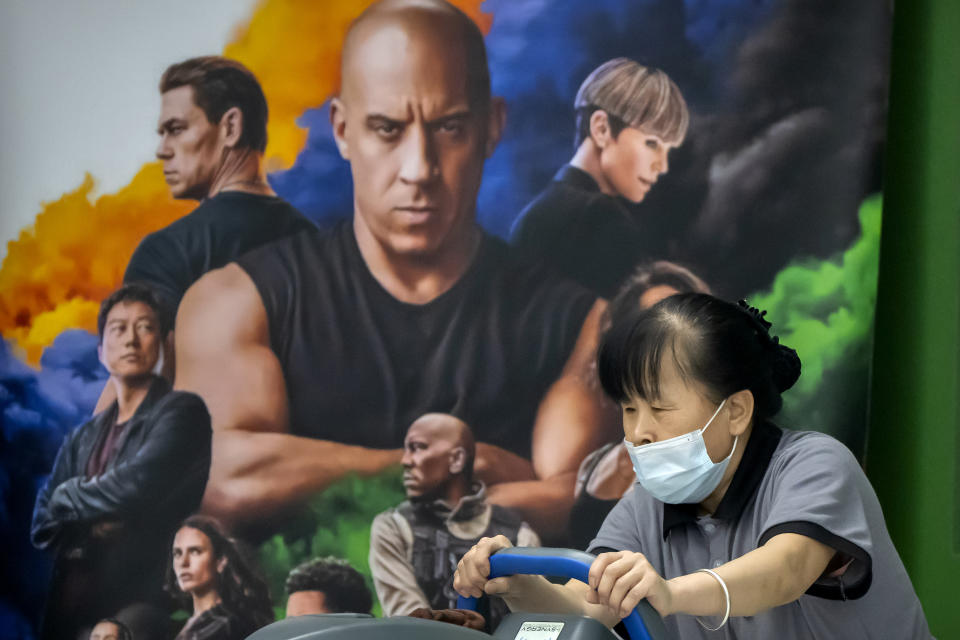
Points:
x=346, y=323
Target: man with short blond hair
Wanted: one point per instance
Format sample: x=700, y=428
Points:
x=213, y=133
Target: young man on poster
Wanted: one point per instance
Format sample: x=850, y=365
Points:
x=414, y=547
x=326, y=585
x=122, y=482
x=110, y=629
x=213, y=132
x=315, y=352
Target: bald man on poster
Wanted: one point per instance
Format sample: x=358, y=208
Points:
x=315, y=352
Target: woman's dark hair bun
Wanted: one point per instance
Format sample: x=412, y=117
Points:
x=723, y=346
x=760, y=323
x=784, y=361
x=784, y=366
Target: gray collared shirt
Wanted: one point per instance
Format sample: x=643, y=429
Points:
x=788, y=482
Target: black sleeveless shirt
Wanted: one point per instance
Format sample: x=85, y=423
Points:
x=360, y=365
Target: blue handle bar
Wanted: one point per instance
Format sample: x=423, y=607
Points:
x=544, y=561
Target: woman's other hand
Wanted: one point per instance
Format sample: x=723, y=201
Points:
x=621, y=579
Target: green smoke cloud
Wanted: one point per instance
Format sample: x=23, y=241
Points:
x=825, y=310
x=336, y=523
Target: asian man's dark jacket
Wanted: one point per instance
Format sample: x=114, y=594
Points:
x=111, y=533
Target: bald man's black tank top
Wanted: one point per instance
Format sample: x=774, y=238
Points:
x=360, y=365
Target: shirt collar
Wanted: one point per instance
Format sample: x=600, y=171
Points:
x=753, y=466
x=579, y=179
x=159, y=387
x=466, y=508
x=571, y=175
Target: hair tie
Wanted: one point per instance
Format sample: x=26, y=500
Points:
x=784, y=361
x=759, y=322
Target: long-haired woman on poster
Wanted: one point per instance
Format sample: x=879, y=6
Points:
x=733, y=521
x=606, y=474
x=208, y=573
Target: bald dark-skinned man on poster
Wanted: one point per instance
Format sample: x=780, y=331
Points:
x=415, y=546
x=315, y=352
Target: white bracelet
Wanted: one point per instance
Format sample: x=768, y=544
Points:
x=726, y=593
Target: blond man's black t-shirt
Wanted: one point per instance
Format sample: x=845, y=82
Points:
x=360, y=366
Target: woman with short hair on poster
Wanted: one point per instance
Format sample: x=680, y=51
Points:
x=584, y=225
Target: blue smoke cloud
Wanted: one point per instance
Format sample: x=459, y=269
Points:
x=39, y=408
x=319, y=183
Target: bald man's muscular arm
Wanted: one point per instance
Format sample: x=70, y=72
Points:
x=572, y=421
x=223, y=354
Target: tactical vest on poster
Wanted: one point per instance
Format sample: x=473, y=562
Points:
x=436, y=553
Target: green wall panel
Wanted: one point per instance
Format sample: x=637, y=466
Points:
x=913, y=450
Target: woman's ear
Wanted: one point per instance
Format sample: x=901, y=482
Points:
x=740, y=411
x=221, y=564
x=600, y=128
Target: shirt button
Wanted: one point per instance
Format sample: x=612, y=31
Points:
x=717, y=563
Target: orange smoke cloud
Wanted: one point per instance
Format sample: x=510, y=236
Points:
x=56, y=272
x=47, y=325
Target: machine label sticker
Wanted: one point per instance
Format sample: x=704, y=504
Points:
x=539, y=631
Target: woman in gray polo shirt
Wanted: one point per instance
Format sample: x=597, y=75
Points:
x=735, y=524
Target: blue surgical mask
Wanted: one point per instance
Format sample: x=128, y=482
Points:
x=679, y=470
